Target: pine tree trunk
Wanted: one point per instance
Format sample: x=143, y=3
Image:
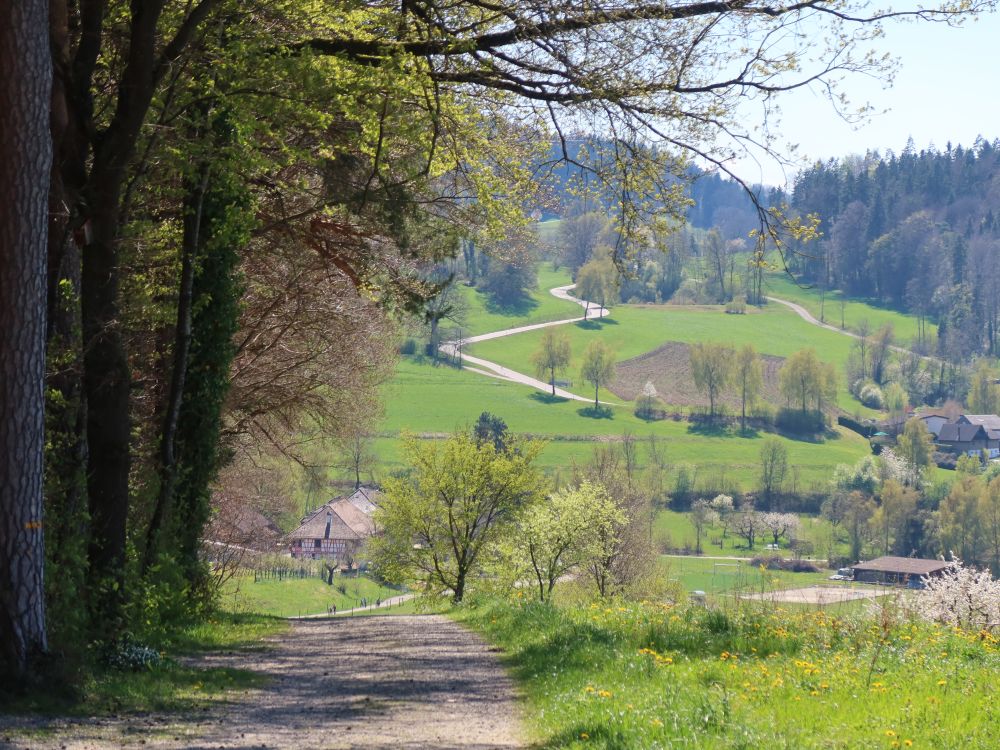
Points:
x=25, y=161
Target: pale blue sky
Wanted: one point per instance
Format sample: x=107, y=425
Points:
x=947, y=89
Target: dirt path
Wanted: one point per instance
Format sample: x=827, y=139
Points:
x=492, y=369
x=372, y=683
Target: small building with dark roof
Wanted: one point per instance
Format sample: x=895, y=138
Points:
x=970, y=438
x=898, y=571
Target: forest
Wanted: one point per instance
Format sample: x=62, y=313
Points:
x=916, y=231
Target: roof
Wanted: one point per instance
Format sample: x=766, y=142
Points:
x=346, y=523
x=962, y=433
x=916, y=566
x=365, y=499
x=989, y=421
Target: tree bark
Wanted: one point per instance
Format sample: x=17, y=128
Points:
x=25, y=161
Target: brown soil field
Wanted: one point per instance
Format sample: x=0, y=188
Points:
x=669, y=369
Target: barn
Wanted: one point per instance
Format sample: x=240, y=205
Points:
x=336, y=530
x=898, y=571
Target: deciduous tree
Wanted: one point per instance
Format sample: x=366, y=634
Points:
x=748, y=377
x=461, y=496
x=711, y=368
x=598, y=366
x=552, y=355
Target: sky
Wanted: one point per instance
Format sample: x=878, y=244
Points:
x=946, y=89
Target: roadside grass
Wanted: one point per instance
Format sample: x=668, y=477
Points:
x=632, y=330
x=174, y=685
x=483, y=316
x=619, y=676
x=673, y=529
x=299, y=596
x=904, y=325
x=425, y=399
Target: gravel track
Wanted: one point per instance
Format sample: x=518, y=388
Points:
x=374, y=683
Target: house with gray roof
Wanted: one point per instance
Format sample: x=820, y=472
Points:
x=969, y=438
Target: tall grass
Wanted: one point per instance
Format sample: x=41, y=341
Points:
x=617, y=675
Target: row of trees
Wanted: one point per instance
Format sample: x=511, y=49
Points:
x=554, y=354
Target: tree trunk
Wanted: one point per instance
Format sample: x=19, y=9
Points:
x=182, y=346
x=25, y=161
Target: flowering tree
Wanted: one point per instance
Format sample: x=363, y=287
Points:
x=962, y=597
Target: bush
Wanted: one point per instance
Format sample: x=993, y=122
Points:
x=864, y=430
x=871, y=396
x=737, y=306
x=408, y=347
x=801, y=422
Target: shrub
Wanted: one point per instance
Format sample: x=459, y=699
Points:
x=737, y=305
x=801, y=422
x=408, y=347
x=130, y=656
x=871, y=396
x=779, y=563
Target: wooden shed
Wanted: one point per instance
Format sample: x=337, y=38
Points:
x=898, y=571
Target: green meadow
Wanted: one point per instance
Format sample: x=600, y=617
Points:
x=482, y=316
x=434, y=400
x=855, y=311
x=293, y=597
x=749, y=675
x=632, y=330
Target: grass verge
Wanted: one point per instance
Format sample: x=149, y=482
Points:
x=176, y=684
x=622, y=676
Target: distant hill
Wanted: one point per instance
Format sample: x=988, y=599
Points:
x=718, y=202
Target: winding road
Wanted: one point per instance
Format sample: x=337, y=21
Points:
x=591, y=311
x=493, y=370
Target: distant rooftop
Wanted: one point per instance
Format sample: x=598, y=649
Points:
x=915, y=566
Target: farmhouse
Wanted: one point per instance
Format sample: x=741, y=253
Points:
x=899, y=571
x=336, y=530
x=933, y=421
x=970, y=438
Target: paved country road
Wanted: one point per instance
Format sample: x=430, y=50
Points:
x=379, y=683
x=492, y=369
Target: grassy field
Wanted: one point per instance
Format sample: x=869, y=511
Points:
x=675, y=530
x=423, y=398
x=905, y=326
x=634, y=329
x=751, y=676
x=299, y=596
x=483, y=316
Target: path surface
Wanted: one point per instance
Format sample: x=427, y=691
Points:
x=492, y=369
x=370, y=683
x=810, y=318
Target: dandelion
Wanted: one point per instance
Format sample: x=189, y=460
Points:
x=584, y=736
x=908, y=743
x=942, y=683
x=656, y=723
x=889, y=733
x=604, y=693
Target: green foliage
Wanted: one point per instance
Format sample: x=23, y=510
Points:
x=984, y=393
x=552, y=355
x=916, y=447
x=804, y=380
x=598, y=366
x=570, y=529
x=712, y=369
x=597, y=281
x=460, y=499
